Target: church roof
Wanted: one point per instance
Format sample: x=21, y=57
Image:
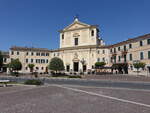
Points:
x=17, y=48
x=76, y=21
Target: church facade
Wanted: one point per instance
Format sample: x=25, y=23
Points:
x=81, y=46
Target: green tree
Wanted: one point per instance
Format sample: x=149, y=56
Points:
x=1, y=60
x=139, y=65
x=100, y=64
x=14, y=66
x=31, y=67
x=56, y=64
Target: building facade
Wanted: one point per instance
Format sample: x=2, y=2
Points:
x=131, y=51
x=81, y=46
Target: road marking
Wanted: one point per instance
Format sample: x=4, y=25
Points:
x=105, y=96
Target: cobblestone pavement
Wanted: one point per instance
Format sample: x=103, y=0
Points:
x=73, y=99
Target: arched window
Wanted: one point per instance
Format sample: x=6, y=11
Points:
x=92, y=33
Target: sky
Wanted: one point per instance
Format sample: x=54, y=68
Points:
x=35, y=23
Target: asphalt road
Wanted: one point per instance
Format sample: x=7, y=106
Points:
x=83, y=82
x=73, y=99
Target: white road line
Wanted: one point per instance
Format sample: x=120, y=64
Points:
x=105, y=96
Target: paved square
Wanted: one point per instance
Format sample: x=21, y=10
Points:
x=73, y=99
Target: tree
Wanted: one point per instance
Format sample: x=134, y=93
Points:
x=14, y=66
x=56, y=64
x=100, y=64
x=121, y=67
x=1, y=60
x=31, y=66
x=139, y=65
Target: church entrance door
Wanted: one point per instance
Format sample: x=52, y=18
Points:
x=76, y=66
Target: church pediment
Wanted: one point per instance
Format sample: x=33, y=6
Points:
x=76, y=25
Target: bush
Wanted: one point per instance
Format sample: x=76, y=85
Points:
x=14, y=74
x=100, y=64
x=33, y=82
x=75, y=76
x=59, y=75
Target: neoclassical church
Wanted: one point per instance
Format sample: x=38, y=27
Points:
x=80, y=47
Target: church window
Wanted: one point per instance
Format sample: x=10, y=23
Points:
x=76, y=41
x=92, y=33
x=62, y=36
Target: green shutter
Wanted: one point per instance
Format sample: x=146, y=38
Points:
x=148, y=54
x=148, y=41
x=141, y=56
x=130, y=56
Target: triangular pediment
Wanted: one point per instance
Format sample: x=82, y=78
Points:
x=76, y=25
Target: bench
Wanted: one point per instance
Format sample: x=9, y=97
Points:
x=4, y=82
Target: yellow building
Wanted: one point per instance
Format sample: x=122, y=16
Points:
x=131, y=51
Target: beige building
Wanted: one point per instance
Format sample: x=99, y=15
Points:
x=81, y=46
x=131, y=51
x=40, y=57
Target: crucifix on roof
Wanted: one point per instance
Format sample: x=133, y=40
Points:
x=76, y=17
